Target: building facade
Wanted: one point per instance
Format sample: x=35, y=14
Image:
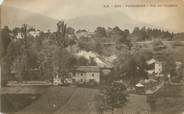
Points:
x=155, y=67
x=158, y=67
x=84, y=74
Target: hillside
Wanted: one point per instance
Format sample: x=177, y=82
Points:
x=15, y=17
x=66, y=100
x=90, y=22
x=82, y=100
x=21, y=16
x=176, y=46
x=110, y=52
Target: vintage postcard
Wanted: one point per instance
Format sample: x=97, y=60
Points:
x=92, y=56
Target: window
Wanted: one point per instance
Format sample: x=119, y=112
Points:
x=81, y=74
x=92, y=74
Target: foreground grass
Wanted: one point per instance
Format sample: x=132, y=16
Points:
x=73, y=100
x=51, y=100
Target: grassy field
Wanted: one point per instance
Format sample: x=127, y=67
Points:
x=16, y=102
x=171, y=102
x=16, y=98
x=50, y=101
x=170, y=105
x=80, y=102
x=70, y=100
x=177, y=48
x=73, y=100
x=23, y=90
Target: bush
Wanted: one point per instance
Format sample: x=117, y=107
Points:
x=92, y=83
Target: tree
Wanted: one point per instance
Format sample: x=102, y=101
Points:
x=136, y=30
x=116, y=34
x=113, y=96
x=100, y=32
x=92, y=61
x=5, y=38
x=61, y=33
x=140, y=33
x=17, y=56
x=16, y=30
x=46, y=59
x=131, y=66
x=158, y=45
x=82, y=61
x=70, y=40
x=166, y=56
x=81, y=30
x=63, y=63
x=87, y=44
x=99, y=48
x=179, y=72
x=121, y=37
x=70, y=30
x=100, y=104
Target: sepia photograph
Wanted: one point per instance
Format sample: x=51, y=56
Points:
x=92, y=56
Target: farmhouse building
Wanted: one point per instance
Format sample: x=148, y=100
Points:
x=155, y=67
x=83, y=74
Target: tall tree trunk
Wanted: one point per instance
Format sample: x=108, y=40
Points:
x=112, y=111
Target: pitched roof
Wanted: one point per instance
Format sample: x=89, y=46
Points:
x=151, y=61
x=139, y=85
x=88, y=68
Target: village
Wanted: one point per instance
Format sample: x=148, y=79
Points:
x=109, y=70
x=91, y=57
x=91, y=75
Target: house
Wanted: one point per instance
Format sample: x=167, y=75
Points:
x=106, y=70
x=84, y=33
x=34, y=33
x=19, y=36
x=155, y=67
x=57, y=80
x=84, y=74
x=158, y=67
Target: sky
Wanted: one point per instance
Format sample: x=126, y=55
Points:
x=167, y=17
x=1, y=1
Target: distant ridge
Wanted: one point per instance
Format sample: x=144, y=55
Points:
x=13, y=17
x=107, y=20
